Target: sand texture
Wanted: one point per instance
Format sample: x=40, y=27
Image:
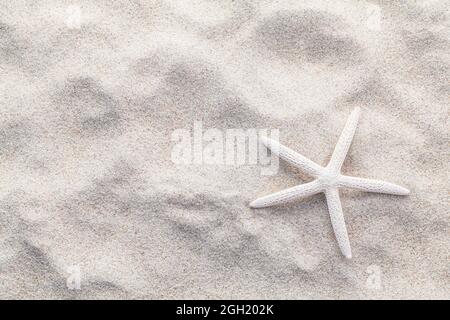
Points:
x=92, y=91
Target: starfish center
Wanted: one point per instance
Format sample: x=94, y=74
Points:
x=329, y=180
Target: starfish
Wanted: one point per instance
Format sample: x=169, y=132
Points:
x=328, y=180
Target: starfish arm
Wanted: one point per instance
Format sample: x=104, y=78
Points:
x=371, y=185
x=344, y=142
x=292, y=157
x=337, y=221
x=286, y=195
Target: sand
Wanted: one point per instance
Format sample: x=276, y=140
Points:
x=92, y=205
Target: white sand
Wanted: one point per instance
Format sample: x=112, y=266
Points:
x=86, y=177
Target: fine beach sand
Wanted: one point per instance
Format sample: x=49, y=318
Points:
x=88, y=108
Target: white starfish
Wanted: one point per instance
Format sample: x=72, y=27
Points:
x=328, y=180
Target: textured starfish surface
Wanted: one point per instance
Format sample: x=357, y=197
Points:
x=328, y=180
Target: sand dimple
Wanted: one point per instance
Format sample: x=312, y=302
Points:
x=307, y=36
x=86, y=107
x=11, y=46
